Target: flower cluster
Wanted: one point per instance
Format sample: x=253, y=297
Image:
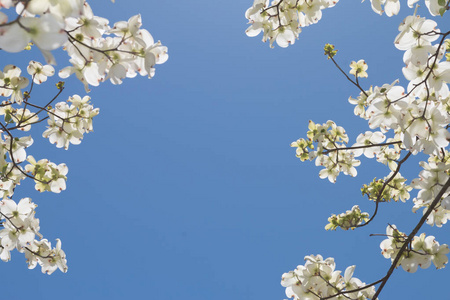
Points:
x=282, y=20
x=318, y=279
x=348, y=220
x=11, y=173
x=417, y=116
x=20, y=228
x=12, y=84
x=97, y=52
x=406, y=121
x=392, y=7
x=431, y=180
x=95, y=58
x=422, y=252
x=47, y=175
x=67, y=123
x=391, y=187
x=330, y=151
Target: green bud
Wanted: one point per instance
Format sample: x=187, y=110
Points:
x=329, y=50
x=60, y=85
x=79, y=37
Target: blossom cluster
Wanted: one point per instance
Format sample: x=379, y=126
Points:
x=95, y=58
x=12, y=84
x=97, y=52
x=348, y=220
x=392, y=7
x=282, y=20
x=328, y=142
x=317, y=279
x=418, y=116
x=404, y=122
x=392, y=187
x=47, y=175
x=423, y=250
x=19, y=229
x=67, y=123
x=431, y=180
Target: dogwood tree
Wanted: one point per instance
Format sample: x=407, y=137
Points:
x=97, y=52
x=403, y=122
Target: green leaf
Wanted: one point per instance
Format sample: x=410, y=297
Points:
x=442, y=11
x=7, y=117
x=441, y=2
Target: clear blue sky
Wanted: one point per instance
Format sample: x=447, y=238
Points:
x=188, y=188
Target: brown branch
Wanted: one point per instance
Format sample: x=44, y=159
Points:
x=380, y=195
x=360, y=147
x=424, y=218
x=349, y=79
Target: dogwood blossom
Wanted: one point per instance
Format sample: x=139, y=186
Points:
x=40, y=72
x=11, y=83
x=359, y=68
x=368, y=140
x=24, y=118
x=317, y=278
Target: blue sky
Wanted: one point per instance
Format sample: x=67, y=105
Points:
x=188, y=188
